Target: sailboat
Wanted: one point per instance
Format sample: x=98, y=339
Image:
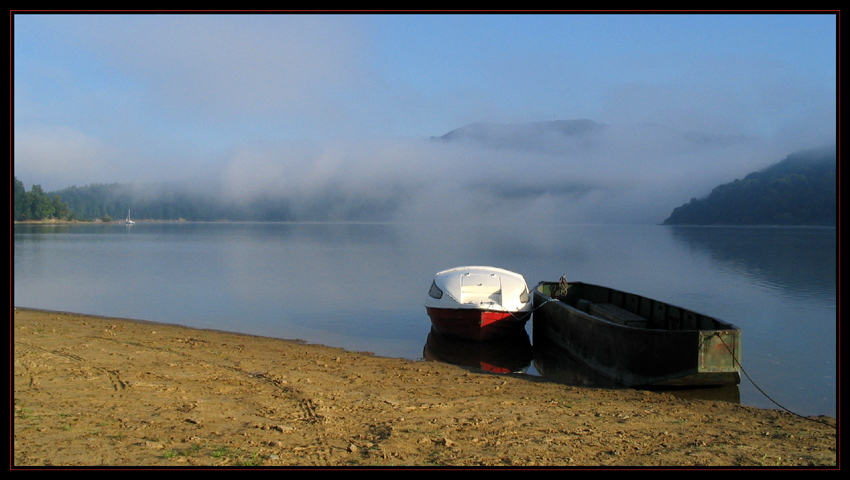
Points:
x=129, y=222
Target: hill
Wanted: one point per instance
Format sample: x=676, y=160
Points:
x=799, y=190
x=536, y=136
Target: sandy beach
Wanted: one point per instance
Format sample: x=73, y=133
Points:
x=93, y=391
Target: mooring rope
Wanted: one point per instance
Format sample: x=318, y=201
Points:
x=735, y=358
x=529, y=313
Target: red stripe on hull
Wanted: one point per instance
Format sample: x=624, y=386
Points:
x=477, y=325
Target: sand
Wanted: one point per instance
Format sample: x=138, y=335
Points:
x=93, y=391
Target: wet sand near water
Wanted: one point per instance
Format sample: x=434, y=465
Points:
x=92, y=391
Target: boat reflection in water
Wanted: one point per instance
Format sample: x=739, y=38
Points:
x=555, y=364
x=511, y=354
x=516, y=354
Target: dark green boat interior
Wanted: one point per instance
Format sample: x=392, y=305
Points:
x=628, y=308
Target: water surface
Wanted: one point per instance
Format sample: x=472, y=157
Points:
x=361, y=286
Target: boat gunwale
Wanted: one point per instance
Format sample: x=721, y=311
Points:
x=730, y=327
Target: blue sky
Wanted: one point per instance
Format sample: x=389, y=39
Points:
x=287, y=102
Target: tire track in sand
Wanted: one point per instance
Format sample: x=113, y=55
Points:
x=113, y=375
x=302, y=408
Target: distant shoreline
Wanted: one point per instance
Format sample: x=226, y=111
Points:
x=149, y=221
x=98, y=221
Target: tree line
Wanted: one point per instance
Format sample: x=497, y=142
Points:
x=38, y=205
x=167, y=202
x=174, y=202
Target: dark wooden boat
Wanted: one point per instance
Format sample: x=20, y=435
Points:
x=634, y=340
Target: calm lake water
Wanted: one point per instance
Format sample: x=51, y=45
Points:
x=361, y=286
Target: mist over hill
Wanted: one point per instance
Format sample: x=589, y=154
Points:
x=566, y=171
x=558, y=136
x=553, y=137
x=173, y=201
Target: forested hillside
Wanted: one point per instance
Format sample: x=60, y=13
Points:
x=36, y=204
x=168, y=201
x=800, y=190
x=165, y=202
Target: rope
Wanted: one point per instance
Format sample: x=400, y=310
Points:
x=761, y=390
x=530, y=312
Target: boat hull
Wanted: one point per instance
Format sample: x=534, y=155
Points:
x=475, y=324
x=672, y=346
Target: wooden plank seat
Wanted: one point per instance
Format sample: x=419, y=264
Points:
x=616, y=314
